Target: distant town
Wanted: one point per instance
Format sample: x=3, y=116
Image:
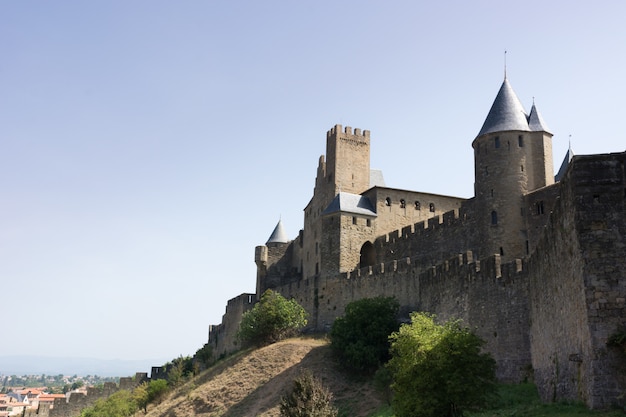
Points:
x=19, y=393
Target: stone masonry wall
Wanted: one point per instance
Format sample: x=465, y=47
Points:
x=578, y=287
x=486, y=295
x=223, y=336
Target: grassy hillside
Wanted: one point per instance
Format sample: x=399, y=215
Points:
x=251, y=383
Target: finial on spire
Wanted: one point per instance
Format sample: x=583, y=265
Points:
x=505, y=64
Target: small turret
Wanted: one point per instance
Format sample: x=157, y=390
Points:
x=278, y=235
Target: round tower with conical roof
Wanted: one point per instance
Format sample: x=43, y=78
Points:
x=512, y=157
x=272, y=260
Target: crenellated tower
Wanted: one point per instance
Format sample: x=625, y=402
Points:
x=512, y=157
x=345, y=169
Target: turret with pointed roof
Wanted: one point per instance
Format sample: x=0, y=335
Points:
x=278, y=235
x=513, y=156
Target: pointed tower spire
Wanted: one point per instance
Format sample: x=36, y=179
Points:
x=535, y=121
x=278, y=235
x=566, y=160
x=507, y=112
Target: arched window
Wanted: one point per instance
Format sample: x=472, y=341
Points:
x=368, y=255
x=432, y=207
x=402, y=203
x=418, y=206
x=388, y=201
x=494, y=217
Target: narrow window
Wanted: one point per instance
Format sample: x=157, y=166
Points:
x=317, y=268
x=497, y=141
x=354, y=220
x=432, y=207
x=369, y=222
x=402, y=203
x=494, y=217
x=540, y=209
x=418, y=205
x=388, y=201
x=527, y=248
x=501, y=251
x=492, y=192
x=520, y=141
x=521, y=167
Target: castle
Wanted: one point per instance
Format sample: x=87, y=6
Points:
x=535, y=263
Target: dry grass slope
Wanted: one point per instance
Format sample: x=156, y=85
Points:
x=251, y=383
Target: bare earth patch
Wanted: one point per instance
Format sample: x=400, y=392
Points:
x=252, y=383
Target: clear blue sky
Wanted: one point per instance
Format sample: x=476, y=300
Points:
x=147, y=147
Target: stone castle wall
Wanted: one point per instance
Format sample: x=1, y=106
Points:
x=550, y=313
x=223, y=337
x=484, y=294
x=578, y=287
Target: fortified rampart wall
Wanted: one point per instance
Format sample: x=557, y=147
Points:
x=551, y=313
x=429, y=242
x=223, y=337
x=578, y=286
x=487, y=295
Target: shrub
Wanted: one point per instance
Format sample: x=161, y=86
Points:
x=361, y=337
x=308, y=398
x=273, y=318
x=439, y=370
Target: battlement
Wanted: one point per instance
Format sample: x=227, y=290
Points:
x=490, y=266
x=335, y=130
x=241, y=299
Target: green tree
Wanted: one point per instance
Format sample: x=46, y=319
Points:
x=149, y=392
x=119, y=404
x=272, y=319
x=204, y=355
x=361, y=337
x=308, y=398
x=140, y=396
x=439, y=370
x=157, y=390
x=179, y=370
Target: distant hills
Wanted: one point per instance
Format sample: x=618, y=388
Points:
x=37, y=365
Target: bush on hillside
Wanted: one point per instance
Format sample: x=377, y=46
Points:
x=308, y=398
x=361, y=337
x=439, y=370
x=119, y=404
x=272, y=319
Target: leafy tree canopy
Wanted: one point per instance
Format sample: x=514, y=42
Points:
x=361, y=337
x=439, y=370
x=119, y=404
x=273, y=318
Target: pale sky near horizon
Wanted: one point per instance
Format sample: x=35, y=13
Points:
x=147, y=147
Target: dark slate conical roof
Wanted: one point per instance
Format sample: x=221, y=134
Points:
x=278, y=235
x=507, y=112
x=536, y=122
x=568, y=157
